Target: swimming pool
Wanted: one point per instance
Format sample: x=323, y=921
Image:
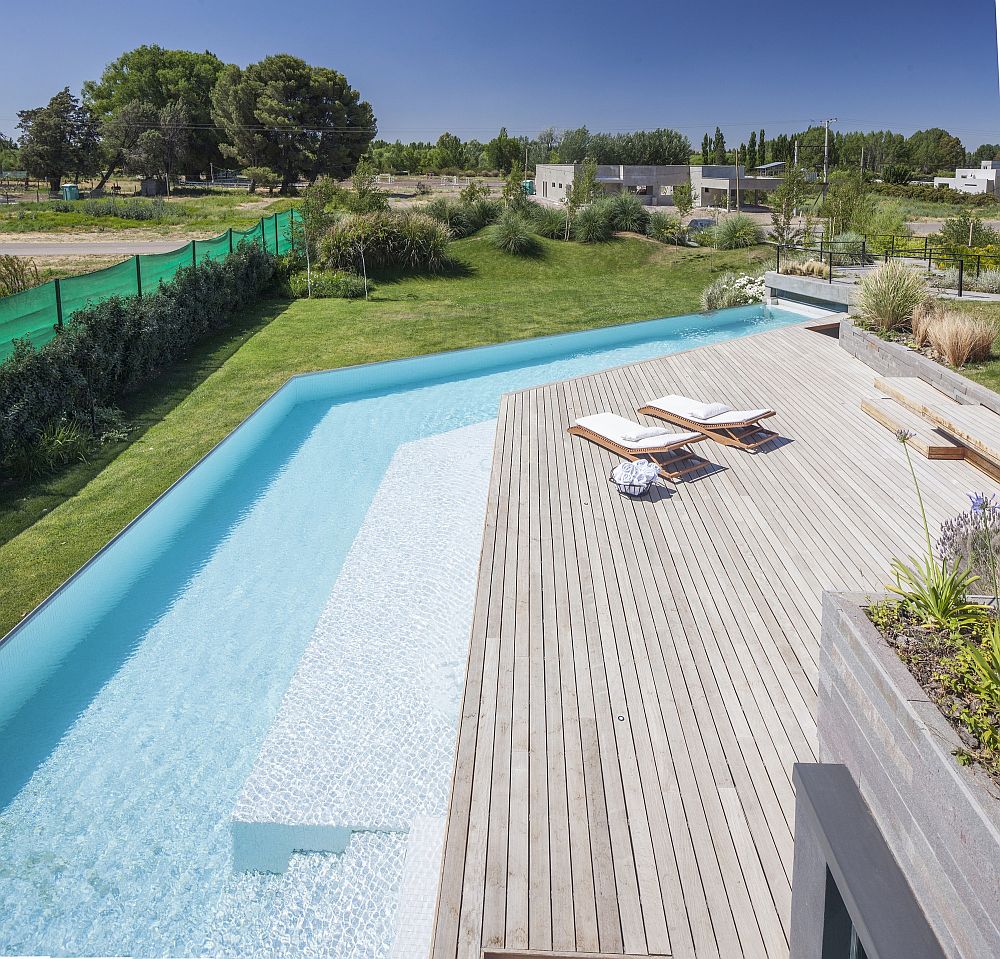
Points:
x=133, y=702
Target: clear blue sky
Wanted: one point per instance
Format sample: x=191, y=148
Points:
x=469, y=67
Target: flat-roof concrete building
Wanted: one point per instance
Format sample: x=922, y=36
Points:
x=972, y=180
x=714, y=185
x=653, y=185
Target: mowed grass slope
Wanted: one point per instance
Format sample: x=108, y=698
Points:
x=49, y=529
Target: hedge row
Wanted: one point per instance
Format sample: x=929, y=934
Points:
x=933, y=194
x=108, y=350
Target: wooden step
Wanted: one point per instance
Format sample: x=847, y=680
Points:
x=973, y=426
x=925, y=439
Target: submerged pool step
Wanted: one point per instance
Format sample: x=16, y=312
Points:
x=364, y=737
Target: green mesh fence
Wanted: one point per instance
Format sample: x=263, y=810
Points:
x=37, y=314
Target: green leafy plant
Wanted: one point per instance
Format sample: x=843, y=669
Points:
x=627, y=213
x=986, y=662
x=17, y=273
x=737, y=232
x=665, y=227
x=385, y=240
x=60, y=443
x=325, y=284
x=593, y=223
x=512, y=234
x=549, y=222
x=888, y=295
x=934, y=590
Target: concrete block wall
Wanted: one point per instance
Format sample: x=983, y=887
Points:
x=895, y=359
x=941, y=820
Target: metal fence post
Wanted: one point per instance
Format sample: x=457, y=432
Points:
x=59, y=316
x=978, y=264
x=194, y=254
x=830, y=278
x=230, y=239
x=777, y=257
x=961, y=274
x=864, y=249
x=275, y=234
x=138, y=276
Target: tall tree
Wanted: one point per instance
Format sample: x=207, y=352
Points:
x=751, y=161
x=58, y=139
x=299, y=120
x=505, y=152
x=161, y=150
x=574, y=145
x=156, y=77
x=719, y=147
x=120, y=133
x=935, y=150
x=706, y=148
x=761, y=149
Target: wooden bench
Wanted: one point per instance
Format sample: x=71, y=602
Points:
x=926, y=439
x=973, y=426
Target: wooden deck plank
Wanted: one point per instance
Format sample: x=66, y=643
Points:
x=693, y=615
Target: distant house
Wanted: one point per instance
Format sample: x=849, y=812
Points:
x=972, y=180
x=652, y=184
x=712, y=185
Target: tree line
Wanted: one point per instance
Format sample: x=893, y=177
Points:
x=879, y=151
x=162, y=113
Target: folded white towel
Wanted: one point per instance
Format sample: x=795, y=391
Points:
x=641, y=433
x=635, y=473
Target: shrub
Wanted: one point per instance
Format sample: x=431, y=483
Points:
x=932, y=194
x=848, y=246
x=736, y=232
x=957, y=230
x=110, y=349
x=385, y=240
x=961, y=338
x=733, y=289
x=17, y=273
x=59, y=444
x=128, y=208
x=665, y=227
x=889, y=294
x=328, y=285
x=928, y=311
x=627, y=213
x=897, y=173
x=549, y=222
x=808, y=267
x=593, y=223
x=987, y=282
x=972, y=540
x=512, y=234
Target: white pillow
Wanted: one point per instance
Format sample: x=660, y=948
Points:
x=641, y=433
x=705, y=411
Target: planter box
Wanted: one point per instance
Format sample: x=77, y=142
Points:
x=895, y=359
x=940, y=820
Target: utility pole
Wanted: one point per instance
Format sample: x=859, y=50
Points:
x=826, y=148
x=737, y=179
x=795, y=159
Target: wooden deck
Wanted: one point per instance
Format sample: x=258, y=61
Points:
x=642, y=674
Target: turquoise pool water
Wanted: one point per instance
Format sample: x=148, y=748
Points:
x=133, y=703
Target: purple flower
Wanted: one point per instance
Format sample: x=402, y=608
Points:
x=982, y=503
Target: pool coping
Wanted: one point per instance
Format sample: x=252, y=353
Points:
x=296, y=378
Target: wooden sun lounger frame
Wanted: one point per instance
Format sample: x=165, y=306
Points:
x=672, y=467
x=745, y=434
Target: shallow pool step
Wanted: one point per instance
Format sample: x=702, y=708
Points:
x=364, y=738
x=926, y=439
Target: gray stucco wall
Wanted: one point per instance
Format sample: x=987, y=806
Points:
x=895, y=359
x=941, y=820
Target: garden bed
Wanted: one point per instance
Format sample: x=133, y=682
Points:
x=940, y=818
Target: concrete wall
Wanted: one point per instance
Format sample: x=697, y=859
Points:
x=940, y=820
x=553, y=181
x=809, y=289
x=895, y=359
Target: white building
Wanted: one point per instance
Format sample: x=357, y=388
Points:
x=982, y=180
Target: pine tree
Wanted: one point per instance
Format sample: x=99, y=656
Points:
x=719, y=147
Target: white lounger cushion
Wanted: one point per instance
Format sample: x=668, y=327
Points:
x=714, y=414
x=616, y=428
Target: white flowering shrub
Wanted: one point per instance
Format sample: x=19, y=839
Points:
x=733, y=289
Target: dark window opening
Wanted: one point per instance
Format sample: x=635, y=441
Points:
x=840, y=938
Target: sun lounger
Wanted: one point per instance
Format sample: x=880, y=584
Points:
x=716, y=421
x=631, y=440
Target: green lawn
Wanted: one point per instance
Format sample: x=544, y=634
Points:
x=187, y=210
x=50, y=528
